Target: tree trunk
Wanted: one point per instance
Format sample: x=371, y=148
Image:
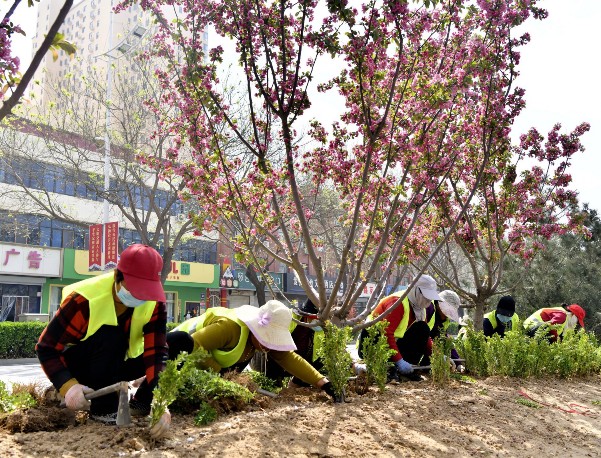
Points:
x=259, y=285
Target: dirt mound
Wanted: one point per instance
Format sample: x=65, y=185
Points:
x=43, y=418
x=497, y=417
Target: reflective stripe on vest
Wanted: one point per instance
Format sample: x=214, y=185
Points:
x=225, y=358
x=445, y=324
x=493, y=319
x=99, y=293
x=536, y=319
x=401, y=329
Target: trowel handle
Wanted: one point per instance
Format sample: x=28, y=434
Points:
x=107, y=389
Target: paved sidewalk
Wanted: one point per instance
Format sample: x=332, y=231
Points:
x=23, y=370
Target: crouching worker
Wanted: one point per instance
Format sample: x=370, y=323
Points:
x=440, y=315
x=232, y=336
x=108, y=329
x=308, y=341
x=556, y=320
x=502, y=319
x=407, y=332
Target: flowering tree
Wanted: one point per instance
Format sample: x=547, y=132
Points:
x=426, y=95
x=10, y=79
x=511, y=213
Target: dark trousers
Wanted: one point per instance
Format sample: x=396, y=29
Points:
x=99, y=361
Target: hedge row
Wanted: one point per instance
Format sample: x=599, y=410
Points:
x=17, y=340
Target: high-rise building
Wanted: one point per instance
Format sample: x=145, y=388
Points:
x=98, y=34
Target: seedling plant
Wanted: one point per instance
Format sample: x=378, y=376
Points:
x=376, y=354
x=336, y=360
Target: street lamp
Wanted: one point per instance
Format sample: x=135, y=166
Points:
x=126, y=45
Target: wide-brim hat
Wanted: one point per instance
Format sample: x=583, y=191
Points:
x=270, y=324
x=427, y=286
x=141, y=266
x=450, y=304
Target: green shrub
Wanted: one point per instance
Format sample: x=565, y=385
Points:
x=188, y=389
x=18, y=339
x=336, y=360
x=473, y=348
x=517, y=355
x=376, y=354
x=440, y=360
x=13, y=401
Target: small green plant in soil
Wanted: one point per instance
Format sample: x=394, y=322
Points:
x=376, y=354
x=596, y=403
x=440, y=360
x=463, y=378
x=336, y=360
x=17, y=398
x=266, y=383
x=206, y=414
x=189, y=389
x=528, y=403
x=166, y=391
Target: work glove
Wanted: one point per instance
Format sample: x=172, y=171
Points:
x=403, y=367
x=460, y=368
x=162, y=426
x=329, y=390
x=359, y=368
x=75, y=397
x=452, y=364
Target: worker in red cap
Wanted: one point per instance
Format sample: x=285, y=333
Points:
x=109, y=328
x=557, y=320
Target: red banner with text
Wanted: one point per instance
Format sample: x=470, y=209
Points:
x=95, y=248
x=111, y=245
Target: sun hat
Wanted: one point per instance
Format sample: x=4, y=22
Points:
x=428, y=288
x=269, y=324
x=578, y=313
x=141, y=266
x=506, y=306
x=449, y=305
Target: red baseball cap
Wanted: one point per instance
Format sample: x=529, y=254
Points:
x=141, y=266
x=578, y=312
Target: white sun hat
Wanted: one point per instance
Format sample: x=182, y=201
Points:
x=450, y=304
x=270, y=324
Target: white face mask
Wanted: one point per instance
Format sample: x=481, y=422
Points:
x=127, y=298
x=571, y=321
x=419, y=304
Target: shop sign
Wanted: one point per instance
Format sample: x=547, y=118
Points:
x=276, y=278
x=30, y=260
x=228, y=277
x=294, y=286
x=368, y=289
x=187, y=272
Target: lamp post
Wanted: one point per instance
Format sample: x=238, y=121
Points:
x=125, y=46
x=107, y=120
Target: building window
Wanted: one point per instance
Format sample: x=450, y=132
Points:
x=170, y=304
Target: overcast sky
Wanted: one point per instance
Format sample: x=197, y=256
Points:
x=559, y=70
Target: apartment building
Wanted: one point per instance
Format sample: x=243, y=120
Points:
x=100, y=37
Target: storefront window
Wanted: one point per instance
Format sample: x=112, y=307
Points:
x=170, y=303
x=56, y=293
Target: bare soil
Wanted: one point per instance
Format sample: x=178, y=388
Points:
x=494, y=417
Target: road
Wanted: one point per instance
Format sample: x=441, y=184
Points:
x=22, y=371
